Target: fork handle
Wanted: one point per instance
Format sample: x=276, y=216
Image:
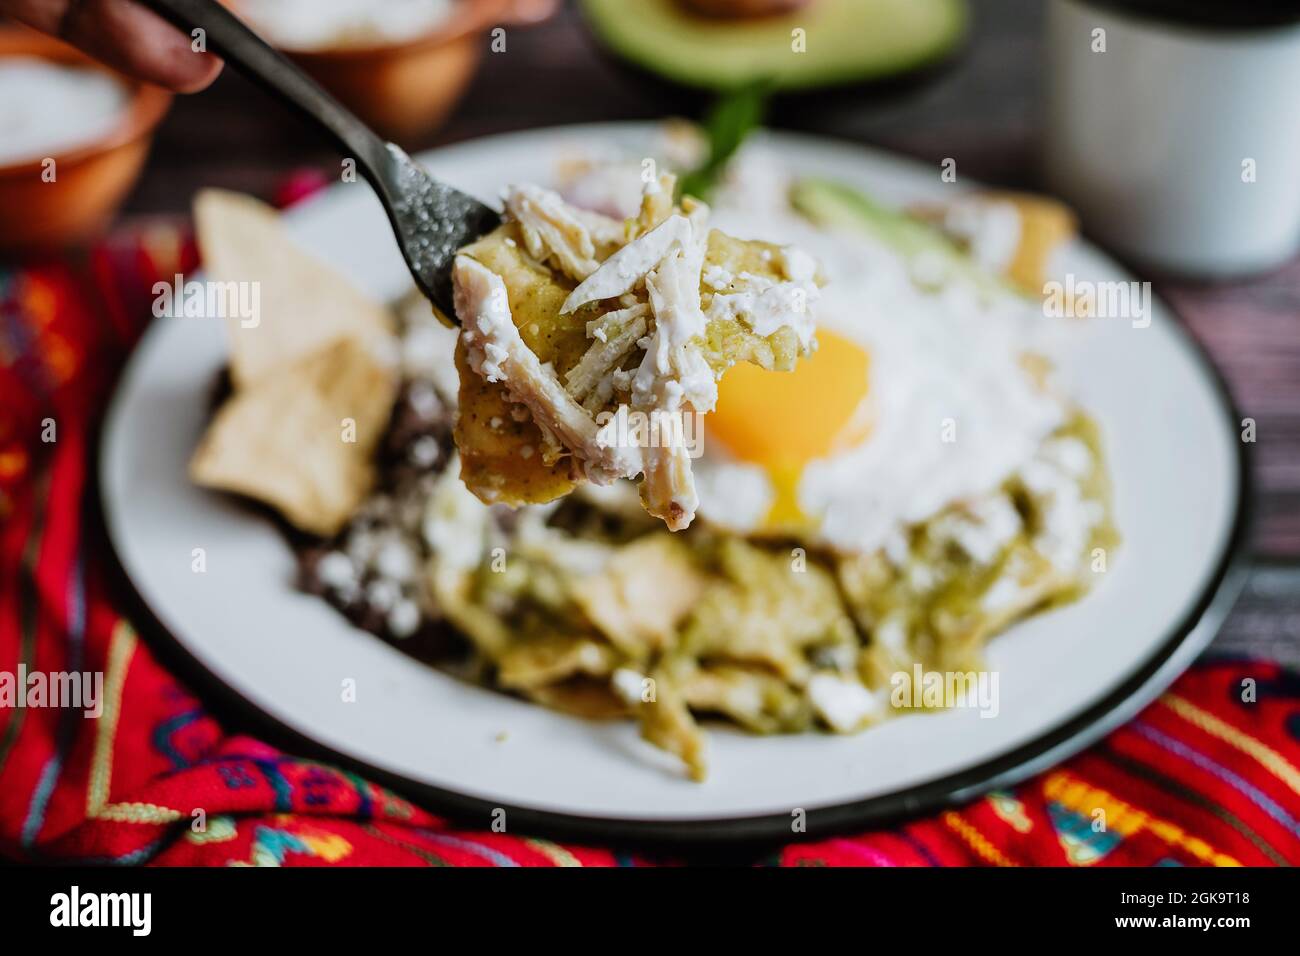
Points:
x=232, y=40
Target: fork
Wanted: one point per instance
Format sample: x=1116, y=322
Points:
x=430, y=219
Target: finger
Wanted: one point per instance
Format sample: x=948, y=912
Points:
x=126, y=36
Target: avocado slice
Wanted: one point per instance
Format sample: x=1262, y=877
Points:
x=844, y=41
x=834, y=205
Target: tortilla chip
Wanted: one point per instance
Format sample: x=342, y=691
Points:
x=302, y=440
x=639, y=597
x=666, y=722
x=755, y=698
x=766, y=612
x=549, y=658
x=580, y=697
x=502, y=457
x=303, y=303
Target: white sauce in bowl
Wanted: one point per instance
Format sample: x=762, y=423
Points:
x=49, y=108
x=322, y=24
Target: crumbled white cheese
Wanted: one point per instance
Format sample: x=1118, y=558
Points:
x=738, y=494
x=991, y=229
x=404, y=619
x=1070, y=454
x=891, y=633
x=920, y=576
x=718, y=278
x=484, y=310
x=396, y=560
x=929, y=269
x=1068, y=518
x=455, y=524
x=1005, y=593
x=424, y=400
x=361, y=547
x=383, y=594
x=897, y=547
x=628, y=684
x=424, y=452
x=982, y=529
x=590, y=655
x=767, y=306
x=797, y=265
x=845, y=704
x=336, y=570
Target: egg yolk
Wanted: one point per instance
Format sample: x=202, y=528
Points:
x=783, y=420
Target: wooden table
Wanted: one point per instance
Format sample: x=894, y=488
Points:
x=982, y=110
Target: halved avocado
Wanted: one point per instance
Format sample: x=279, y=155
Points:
x=843, y=41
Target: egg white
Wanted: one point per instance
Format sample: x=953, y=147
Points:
x=953, y=411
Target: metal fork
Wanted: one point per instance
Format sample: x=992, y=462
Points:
x=429, y=218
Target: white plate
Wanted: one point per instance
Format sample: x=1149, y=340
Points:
x=1065, y=677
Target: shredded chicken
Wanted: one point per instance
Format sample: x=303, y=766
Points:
x=668, y=491
x=551, y=229
x=628, y=267
x=603, y=229
x=623, y=407
x=674, y=290
x=673, y=378
x=617, y=337
x=498, y=354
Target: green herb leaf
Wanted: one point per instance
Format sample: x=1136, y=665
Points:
x=731, y=119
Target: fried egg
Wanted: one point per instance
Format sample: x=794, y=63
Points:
x=924, y=392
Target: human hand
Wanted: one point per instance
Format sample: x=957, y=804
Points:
x=123, y=34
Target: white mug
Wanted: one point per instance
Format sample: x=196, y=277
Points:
x=1178, y=144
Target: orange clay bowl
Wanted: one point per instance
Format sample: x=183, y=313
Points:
x=405, y=89
x=91, y=180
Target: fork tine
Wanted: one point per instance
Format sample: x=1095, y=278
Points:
x=431, y=220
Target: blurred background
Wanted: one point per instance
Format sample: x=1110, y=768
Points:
x=979, y=105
